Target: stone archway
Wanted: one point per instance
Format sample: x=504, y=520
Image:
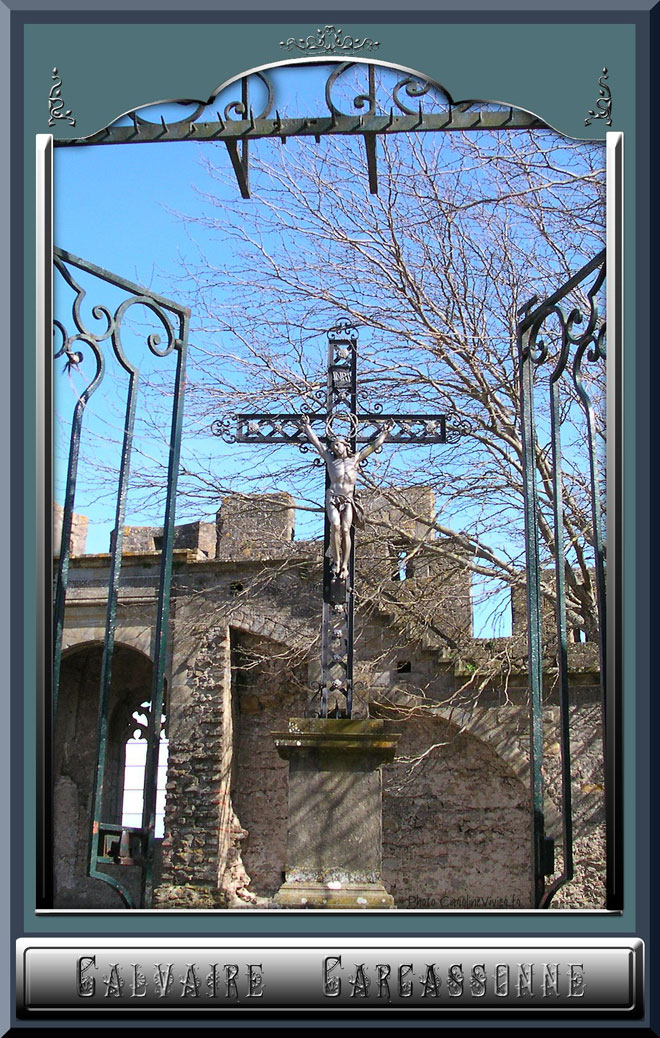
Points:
x=75, y=760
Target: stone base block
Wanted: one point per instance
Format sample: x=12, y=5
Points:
x=334, y=841
x=320, y=895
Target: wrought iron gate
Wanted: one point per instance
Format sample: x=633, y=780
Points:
x=572, y=356
x=110, y=843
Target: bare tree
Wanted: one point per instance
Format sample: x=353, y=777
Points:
x=464, y=230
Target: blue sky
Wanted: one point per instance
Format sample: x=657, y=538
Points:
x=115, y=206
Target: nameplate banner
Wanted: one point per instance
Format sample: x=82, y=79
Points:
x=57, y=975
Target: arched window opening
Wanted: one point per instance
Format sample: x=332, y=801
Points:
x=135, y=756
x=579, y=635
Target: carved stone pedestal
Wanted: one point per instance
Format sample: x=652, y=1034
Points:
x=334, y=844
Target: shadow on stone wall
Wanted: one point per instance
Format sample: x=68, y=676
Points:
x=456, y=827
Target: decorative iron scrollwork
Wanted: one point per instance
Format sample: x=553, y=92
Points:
x=380, y=107
x=343, y=333
x=243, y=109
x=413, y=88
x=109, y=841
x=359, y=100
x=457, y=425
x=224, y=428
x=603, y=104
x=578, y=334
x=367, y=103
x=572, y=334
x=328, y=40
x=56, y=104
x=113, y=322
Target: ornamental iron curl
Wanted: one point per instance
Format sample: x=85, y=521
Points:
x=413, y=88
x=242, y=108
x=224, y=427
x=537, y=349
x=456, y=426
x=343, y=332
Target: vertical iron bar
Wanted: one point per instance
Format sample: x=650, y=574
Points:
x=109, y=641
x=599, y=549
x=339, y=594
x=150, y=787
x=599, y=572
x=67, y=523
x=531, y=354
x=534, y=613
x=96, y=849
x=350, y=596
x=562, y=640
x=325, y=649
x=350, y=627
x=372, y=161
x=326, y=620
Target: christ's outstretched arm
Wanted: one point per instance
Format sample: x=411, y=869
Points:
x=305, y=427
x=376, y=441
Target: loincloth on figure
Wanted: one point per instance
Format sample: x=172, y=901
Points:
x=341, y=501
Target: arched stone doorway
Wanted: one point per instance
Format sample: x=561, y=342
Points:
x=75, y=761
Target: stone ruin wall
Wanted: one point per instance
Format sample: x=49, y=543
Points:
x=455, y=819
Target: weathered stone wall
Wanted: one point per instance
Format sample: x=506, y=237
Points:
x=212, y=762
x=266, y=693
x=78, y=536
x=583, y=626
x=198, y=537
x=503, y=724
x=587, y=889
x=244, y=646
x=198, y=815
x=254, y=525
x=456, y=825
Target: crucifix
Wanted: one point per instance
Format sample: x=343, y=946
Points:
x=343, y=437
